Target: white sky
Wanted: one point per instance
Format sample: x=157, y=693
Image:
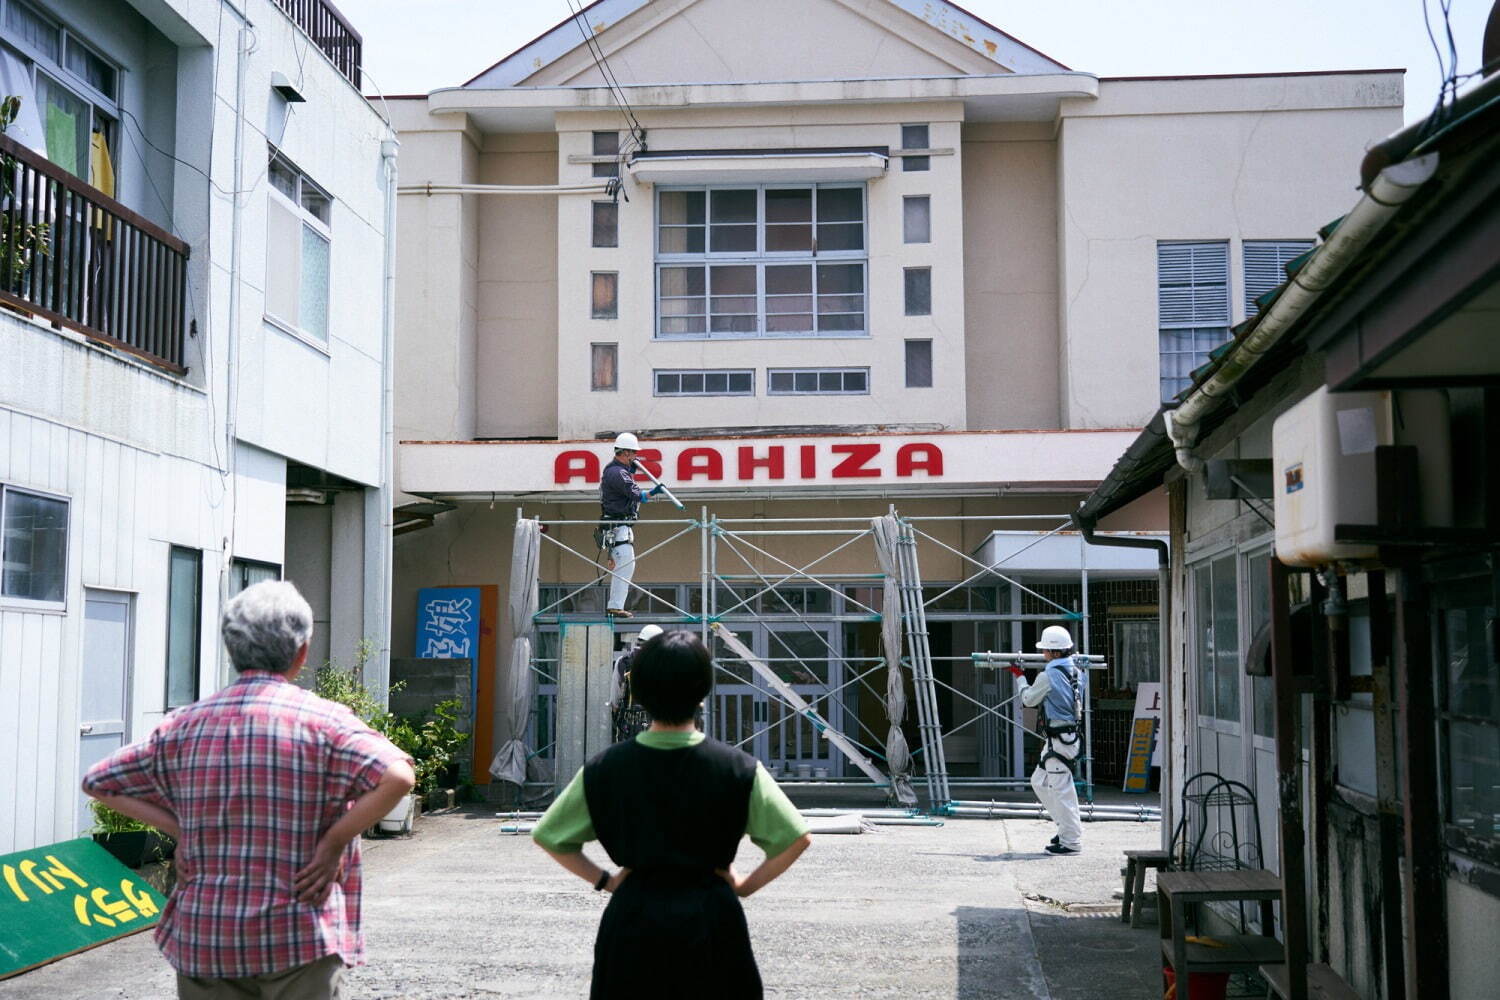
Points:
x=415, y=47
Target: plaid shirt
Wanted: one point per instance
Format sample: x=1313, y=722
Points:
x=255, y=775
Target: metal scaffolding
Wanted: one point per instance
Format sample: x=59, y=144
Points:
x=802, y=687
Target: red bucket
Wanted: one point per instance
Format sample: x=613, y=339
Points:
x=1202, y=985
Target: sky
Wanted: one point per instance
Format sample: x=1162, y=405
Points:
x=413, y=48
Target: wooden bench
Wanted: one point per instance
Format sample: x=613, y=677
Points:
x=1136, y=863
x=1179, y=892
x=1322, y=983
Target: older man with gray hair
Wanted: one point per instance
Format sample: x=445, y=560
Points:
x=266, y=788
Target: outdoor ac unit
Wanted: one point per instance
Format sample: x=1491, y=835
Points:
x=1323, y=454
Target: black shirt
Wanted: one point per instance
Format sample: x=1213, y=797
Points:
x=619, y=496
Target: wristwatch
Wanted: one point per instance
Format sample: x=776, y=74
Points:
x=604, y=878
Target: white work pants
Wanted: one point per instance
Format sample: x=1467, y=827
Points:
x=622, y=551
x=1053, y=784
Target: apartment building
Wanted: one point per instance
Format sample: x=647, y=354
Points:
x=194, y=208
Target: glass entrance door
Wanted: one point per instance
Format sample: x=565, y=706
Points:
x=749, y=714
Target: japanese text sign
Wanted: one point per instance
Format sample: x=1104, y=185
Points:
x=448, y=623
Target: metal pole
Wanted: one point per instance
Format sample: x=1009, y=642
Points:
x=1088, y=687
x=704, y=584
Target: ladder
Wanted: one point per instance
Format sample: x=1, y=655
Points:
x=914, y=615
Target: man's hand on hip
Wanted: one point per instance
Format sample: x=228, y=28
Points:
x=315, y=881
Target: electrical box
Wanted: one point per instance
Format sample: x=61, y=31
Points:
x=1323, y=455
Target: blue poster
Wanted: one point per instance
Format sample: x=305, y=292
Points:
x=448, y=623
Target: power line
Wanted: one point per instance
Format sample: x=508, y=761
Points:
x=601, y=61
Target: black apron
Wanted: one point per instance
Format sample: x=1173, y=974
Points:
x=674, y=928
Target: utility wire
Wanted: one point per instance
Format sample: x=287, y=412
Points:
x=637, y=138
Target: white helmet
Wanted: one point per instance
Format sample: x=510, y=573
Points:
x=1055, y=637
x=648, y=632
x=627, y=442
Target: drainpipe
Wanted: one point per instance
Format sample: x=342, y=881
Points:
x=380, y=523
x=1385, y=195
x=1086, y=527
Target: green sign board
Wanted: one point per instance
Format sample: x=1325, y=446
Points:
x=65, y=898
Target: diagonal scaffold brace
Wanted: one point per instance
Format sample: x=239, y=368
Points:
x=797, y=702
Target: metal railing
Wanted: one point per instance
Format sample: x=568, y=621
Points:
x=77, y=258
x=330, y=31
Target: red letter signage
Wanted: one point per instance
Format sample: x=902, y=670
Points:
x=854, y=467
x=772, y=462
x=809, y=461
x=695, y=462
x=650, y=458
x=570, y=465
x=926, y=458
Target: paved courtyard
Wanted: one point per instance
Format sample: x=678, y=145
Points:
x=972, y=909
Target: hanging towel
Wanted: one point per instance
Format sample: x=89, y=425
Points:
x=101, y=168
x=62, y=128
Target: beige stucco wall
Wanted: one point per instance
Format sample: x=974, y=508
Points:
x=516, y=354
x=583, y=413
x=1186, y=160
x=1010, y=276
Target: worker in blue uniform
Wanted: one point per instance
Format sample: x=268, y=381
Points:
x=1058, y=694
x=620, y=499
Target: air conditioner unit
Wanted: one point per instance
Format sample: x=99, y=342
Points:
x=1323, y=454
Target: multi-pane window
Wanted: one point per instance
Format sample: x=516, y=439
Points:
x=607, y=144
x=916, y=219
x=184, y=615
x=915, y=137
x=818, y=381
x=604, y=295
x=702, y=382
x=244, y=573
x=604, y=367
x=298, y=238
x=1265, y=266
x=1468, y=665
x=761, y=261
x=1192, y=294
x=1217, y=643
x=606, y=224
x=73, y=91
x=918, y=291
x=919, y=364
x=33, y=546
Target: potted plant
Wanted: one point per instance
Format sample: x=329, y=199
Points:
x=434, y=742
x=132, y=842
x=20, y=241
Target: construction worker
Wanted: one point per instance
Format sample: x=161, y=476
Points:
x=619, y=501
x=628, y=716
x=1057, y=693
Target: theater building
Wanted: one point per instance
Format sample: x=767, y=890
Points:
x=827, y=258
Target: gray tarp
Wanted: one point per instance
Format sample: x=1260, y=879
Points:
x=510, y=762
x=897, y=754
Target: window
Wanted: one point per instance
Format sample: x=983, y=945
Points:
x=1265, y=266
x=244, y=573
x=604, y=364
x=298, y=214
x=33, y=547
x=1137, y=653
x=729, y=382
x=74, y=89
x=919, y=291
x=1192, y=293
x=761, y=261
x=916, y=219
x=1218, y=639
x=818, y=381
x=607, y=144
x=1469, y=705
x=1262, y=689
x=184, y=614
x=919, y=364
x=606, y=224
x=914, y=137
x=604, y=295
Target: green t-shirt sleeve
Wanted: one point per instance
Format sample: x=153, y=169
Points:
x=566, y=825
x=774, y=822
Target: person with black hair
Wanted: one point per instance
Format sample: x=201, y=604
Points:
x=670, y=807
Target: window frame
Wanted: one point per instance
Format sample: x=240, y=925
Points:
x=906, y=236
x=1278, y=247
x=656, y=374
x=197, y=643
x=99, y=103
x=906, y=347
x=613, y=311
x=1451, y=593
x=610, y=347
x=323, y=230
x=760, y=258
x=30, y=603
x=820, y=371
x=906, y=298
x=916, y=164
x=238, y=563
x=594, y=207
x=1194, y=327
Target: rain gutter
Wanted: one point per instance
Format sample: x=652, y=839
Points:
x=1391, y=188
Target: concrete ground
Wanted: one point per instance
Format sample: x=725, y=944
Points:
x=972, y=909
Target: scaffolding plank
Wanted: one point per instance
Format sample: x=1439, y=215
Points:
x=582, y=696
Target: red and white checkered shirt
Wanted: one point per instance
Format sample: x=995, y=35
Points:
x=255, y=775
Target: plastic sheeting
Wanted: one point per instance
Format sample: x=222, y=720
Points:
x=510, y=763
x=886, y=532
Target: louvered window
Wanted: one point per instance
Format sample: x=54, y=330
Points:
x=1265, y=266
x=1192, y=294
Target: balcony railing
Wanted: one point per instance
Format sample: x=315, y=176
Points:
x=80, y=259
x=330, y=32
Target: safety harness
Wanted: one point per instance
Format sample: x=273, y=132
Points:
x=1067, y=733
